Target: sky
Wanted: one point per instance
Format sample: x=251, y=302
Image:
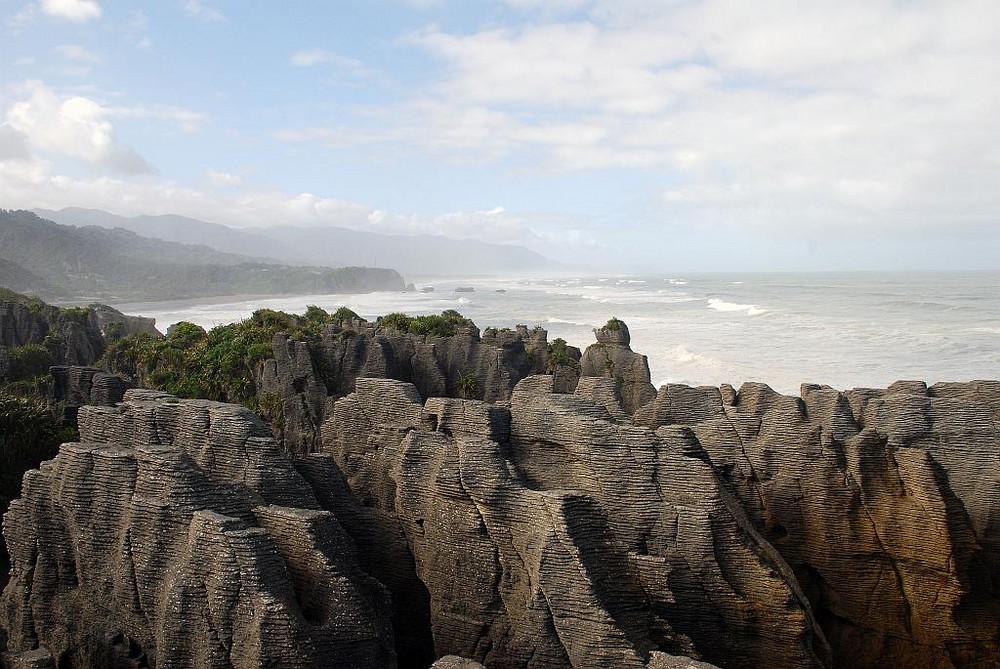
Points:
x=621, y=134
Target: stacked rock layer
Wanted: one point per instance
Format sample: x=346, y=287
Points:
x=742, y=529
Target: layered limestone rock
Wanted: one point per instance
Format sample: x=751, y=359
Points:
x=71, y=336
x=741, y=529
x=74, y=387
x=115, y=324
x=886, y=503
x=177, y=534
x=465, y=365
x=612, y=357
x=550, y=534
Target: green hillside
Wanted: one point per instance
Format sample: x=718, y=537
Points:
x=65, y=262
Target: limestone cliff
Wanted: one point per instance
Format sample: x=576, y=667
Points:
x=466, y=364
x=613, y=357
x=177, y=534
x=885, y=503
x=550, y=534
x=71, y=336
x=544, y=529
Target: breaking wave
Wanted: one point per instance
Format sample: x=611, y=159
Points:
x=721, y=305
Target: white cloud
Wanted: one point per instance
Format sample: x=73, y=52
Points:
x=72, y=10
x=223, y=179
x=77, y=53
x=73, y=126
x=13, y=144
x=196, y=10
x=345, y=66
x=771, y=114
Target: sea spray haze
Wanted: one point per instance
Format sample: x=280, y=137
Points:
x=842, y=329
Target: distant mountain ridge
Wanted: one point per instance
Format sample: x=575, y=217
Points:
x=68, y=262
x=326, y=246
x=178, y=229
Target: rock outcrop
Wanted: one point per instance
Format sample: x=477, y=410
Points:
x=613, y=357
x=545, y=529
x=466, y=364
x=177, y=534
x=74, y=387
x=885, y=503
x=547, y=534
x=114, y=323
x=71, y=336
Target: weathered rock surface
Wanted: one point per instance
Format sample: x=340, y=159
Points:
x=548, y=535
x=114, y=324
x=612, y=357
x=72, y=337
x=886, y=504
x=177, y=534
x=741, y=529
x=74, y=387
x=466, y=365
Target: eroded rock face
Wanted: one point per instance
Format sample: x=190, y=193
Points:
x=176, y=533
x=741, y=529
x=72, y=337
x=547, y=534
x=885, y=503
x=613, y=358
x=464, y=365
x=74, y=387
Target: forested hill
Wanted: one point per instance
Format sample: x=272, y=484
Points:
x=65, y=262
x=327, y=245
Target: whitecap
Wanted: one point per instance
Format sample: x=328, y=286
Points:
x=721, y=305
x=553, y=319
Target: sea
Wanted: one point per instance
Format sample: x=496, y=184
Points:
x=845, y=330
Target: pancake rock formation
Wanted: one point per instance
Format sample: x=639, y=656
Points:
x=706, y=527
x=885, y=503
x=469, y=364
x=177, y=534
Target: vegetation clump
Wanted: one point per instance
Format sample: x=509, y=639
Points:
x=222, y=364
x=559, y=354
x=613, y=324
x=29, y=362
x=468, y=385
x=444, y=325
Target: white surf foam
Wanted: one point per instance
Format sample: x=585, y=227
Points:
x=722, y=305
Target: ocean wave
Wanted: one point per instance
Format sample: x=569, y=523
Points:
x=681, y=355
x=563, y=321
x=721, y=305
x=677, y=282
